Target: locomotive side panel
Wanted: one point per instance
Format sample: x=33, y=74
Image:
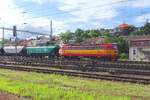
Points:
x=97, y=51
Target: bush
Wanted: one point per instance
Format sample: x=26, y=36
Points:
x=124, y=56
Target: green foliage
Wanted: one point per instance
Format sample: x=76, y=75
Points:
x=80, y=35
x=124, y=56
x=56, y=87
x=94, y=33
x=66, y=37
x=144, y=30
x=123, y=46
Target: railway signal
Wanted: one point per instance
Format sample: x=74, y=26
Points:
x=14, y=31
x=15, y=35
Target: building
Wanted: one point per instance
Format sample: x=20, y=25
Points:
x=139, y=49
x=40, y=41
x=122, y=30
x=25, y=43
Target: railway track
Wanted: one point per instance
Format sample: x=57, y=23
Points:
x=95, y=75
x=109, y=70
x=88, y=68
x=81, y=64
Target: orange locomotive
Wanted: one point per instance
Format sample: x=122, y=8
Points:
x=106, y=51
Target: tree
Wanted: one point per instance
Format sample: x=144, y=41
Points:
x=86, y=35
x=94, y=33
x=79, y=35
x=146, y=28
x=123, y=46
x=66, y=37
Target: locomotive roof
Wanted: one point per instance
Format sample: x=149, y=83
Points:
x=89, y=44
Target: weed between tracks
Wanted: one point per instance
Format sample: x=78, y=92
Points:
x=56, y=87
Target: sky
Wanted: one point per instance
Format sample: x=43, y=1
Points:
x=35, y=15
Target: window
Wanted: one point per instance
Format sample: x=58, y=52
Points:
x=149, y=43
x=134, y=52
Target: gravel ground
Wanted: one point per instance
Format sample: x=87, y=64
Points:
x=7, y=96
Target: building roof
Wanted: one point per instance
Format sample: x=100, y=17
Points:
x=139, y=38
x=123, y=26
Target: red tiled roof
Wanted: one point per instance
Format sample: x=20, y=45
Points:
x=123, y=26
x=140, y=38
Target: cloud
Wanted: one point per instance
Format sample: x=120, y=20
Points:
x=44, y=24
x=101, y=11
x=140, y=3
x=142, y=18
x=12, y=15
x=143, y=5
x=40, y=2
x=86, y=10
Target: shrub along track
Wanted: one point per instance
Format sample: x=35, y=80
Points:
x=119, y=71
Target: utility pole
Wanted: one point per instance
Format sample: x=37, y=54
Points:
x=147, y=20
x=51, y=30
x=15, y=35
x=16, y=44
x=3, y=37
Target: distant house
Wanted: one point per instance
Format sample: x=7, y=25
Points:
x=139, y=49
x=25, y=43
x=39, y=41
x=122, y=30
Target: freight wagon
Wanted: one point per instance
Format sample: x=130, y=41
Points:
x=50, y=51
x=14, y=50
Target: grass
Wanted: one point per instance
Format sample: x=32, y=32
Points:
x=56, y=87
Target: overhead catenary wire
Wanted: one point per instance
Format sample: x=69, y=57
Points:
x=26, y=31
